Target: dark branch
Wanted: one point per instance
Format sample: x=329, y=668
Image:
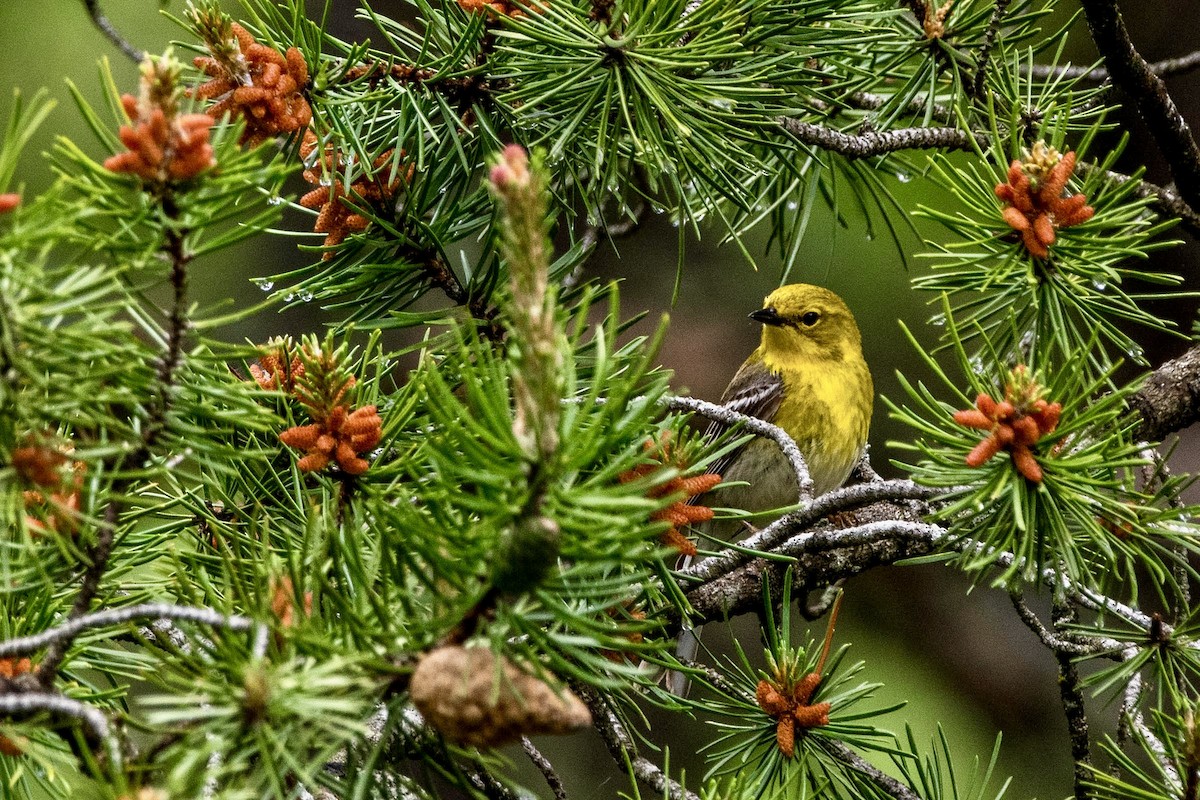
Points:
x=1059, y=644
x=865, y=145
x=794, y=522
x=1163, y=69
x=174, y=248
x=108, y=29
x=1132, y=74
x=854, y=761
x=98, y=555
x=1166, y=201
x=1169, y=400
x=1072, y=702
x=624, y=750
x=440, y=275
x=546, y=768
x=985, y=49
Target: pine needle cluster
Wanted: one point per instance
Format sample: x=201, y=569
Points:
x=293, y=569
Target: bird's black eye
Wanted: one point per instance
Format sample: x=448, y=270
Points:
x=810, y=318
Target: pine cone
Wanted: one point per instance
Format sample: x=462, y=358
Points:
x=456, y=690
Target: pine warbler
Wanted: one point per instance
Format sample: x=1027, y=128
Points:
x=808, y=376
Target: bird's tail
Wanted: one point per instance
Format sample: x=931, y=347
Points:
x=685, y=650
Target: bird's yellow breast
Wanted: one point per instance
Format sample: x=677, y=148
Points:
x=826, y=408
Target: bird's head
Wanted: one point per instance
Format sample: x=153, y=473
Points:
x=806, y=321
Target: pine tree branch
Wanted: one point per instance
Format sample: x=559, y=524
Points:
x=754, y=425
x=1132, y=74
x=866, y=145
x=1073, y=707
x=108, y=29
x=789, y=524
x=1169, y=400
x=1166, y=68
x=985, y=48
x=174, y=248
x=885, y=783
x=67, y=631
x=546, y=768
x=623, y=749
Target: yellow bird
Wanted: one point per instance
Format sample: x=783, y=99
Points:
x=808, y=376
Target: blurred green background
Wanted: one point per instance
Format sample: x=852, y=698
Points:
x=960, y=659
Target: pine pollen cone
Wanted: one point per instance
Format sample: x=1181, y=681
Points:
x=54, y=504
x=337, y=219
x=791, y=709
x=493, y=8
x=11, y=668
x=39, y=464
x=634, y=638
x=1012, y=427
x=162, y=148
x=283, y=601
x=1036, y=207
x=267, y=92
x=9, y=201
x=271, y=373
x=682, y=512
x=341, y=437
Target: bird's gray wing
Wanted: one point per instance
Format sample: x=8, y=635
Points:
x=754, y=391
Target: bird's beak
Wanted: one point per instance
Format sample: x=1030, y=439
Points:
x=767, y=316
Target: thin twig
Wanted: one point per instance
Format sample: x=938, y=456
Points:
x=103, y=619
x=716, y=679
x=546, y=768
x=175, y=249
x=590, y=237
x=985, y=49
x=880, y=143
x=53, y=703
x=98, y=555
x=1073, y=707
x=818, y=608
x=624, y=750
x=1164, y=69
x=1060, y=644
x=854, y=761
x=1131, y=713
x=754, y=425
x=108, y=29
x=1166, y=201
x=866, y=101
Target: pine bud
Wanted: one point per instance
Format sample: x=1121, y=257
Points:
x=528, y=551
